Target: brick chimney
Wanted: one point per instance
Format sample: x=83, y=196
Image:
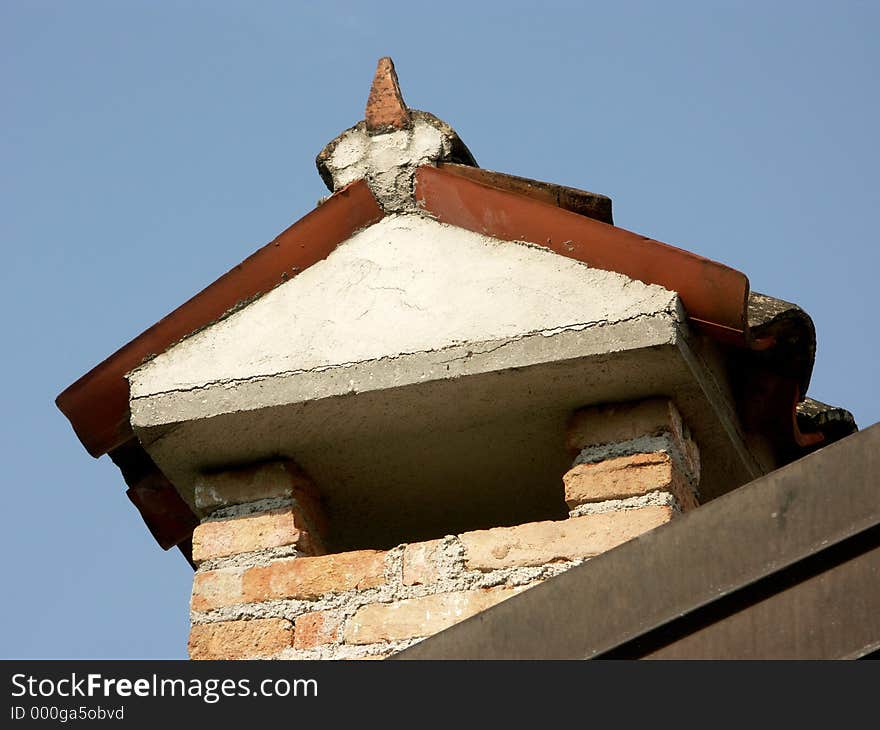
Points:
x=266, y=585
x=442, y=387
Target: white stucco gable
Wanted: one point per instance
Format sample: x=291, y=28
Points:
x=405, y=285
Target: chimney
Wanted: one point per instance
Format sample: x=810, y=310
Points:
x=440, y=388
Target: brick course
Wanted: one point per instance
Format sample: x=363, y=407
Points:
x=311, y=577
x=275, y=528
x=617, y=422
x=623, y=477
x=539, y=543
x=369, y=603
x=417, y=617
x=271, y=480
x=240, y=639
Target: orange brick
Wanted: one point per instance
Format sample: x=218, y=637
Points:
x=275, y=528
x=540, y=543
x=216, y=588
x=240, y=639
x=310, y=577
x=416, y=617
x=615, y=422
x=314, y=629
x=277, y=479
x=420, y=562
x=386, y=110
x=627, y=476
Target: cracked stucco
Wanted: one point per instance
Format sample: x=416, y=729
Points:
x=463, y=353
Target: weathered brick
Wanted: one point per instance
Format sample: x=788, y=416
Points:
x=216, y=588
x=275, y=528
x=614, y=423
x=245, y=484
x=627, y=476
x=240, y=639
x=276, y=479
x=540, y=543
x=386, y=110
x=314, y=629
x=420, y=562
x=310, y=577
x=416, y=617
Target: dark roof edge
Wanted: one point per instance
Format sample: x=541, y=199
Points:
x=834, y=422
x=792, y=332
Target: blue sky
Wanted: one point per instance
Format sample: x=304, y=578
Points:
x=147, y=147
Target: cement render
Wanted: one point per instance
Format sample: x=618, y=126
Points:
x=387, y=161
x=249, y=508
x=250, y=559
x=652, y=499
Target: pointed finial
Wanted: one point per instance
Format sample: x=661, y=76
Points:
x=386, y=110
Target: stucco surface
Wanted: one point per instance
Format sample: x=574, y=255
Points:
x=404, y=285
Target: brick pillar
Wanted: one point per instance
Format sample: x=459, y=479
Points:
x=253, y=515
x=629, y=456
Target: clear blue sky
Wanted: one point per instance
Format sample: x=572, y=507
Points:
x=147, y=147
